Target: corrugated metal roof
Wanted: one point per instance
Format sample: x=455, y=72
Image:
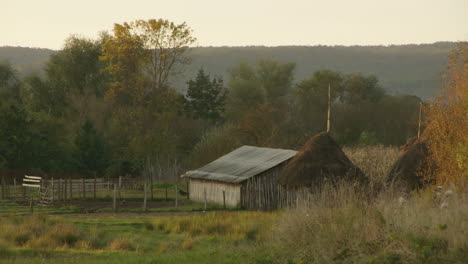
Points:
x=241, y=164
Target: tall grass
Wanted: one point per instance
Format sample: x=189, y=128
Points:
x=235, y=226
x=342, y=225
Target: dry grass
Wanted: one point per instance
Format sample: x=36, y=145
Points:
x=40, y=232
x=342, y=225
x=121, y=244
x=230, y=225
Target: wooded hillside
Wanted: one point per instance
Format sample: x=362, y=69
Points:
x=401, y=69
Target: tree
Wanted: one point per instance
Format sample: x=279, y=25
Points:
x=276, y=79
x=360, y=89
x=249, y=87
x=9, y=83
x=92, y=153
x=446, y=122
x=312, y=98
x=140, y=57
x=205, y=98
x=153, y=47
x=74, y=76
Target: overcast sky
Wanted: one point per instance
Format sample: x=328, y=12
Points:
x=46, y=23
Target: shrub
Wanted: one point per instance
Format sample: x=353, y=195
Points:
x=121, y=244
x=187, y=244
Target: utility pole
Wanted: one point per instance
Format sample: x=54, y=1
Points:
x=419, y=121
x=329, y=108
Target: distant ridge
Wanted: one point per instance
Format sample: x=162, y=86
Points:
x=402, y=69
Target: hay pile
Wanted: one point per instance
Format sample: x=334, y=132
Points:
x=320, y=159
x=407, y=171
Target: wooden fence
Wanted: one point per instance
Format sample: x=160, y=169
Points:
x=43, y=191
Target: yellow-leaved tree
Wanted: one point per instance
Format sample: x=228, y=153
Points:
x=447, y=123
x=140, y=58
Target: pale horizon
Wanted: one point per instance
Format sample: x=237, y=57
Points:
x=46, y=24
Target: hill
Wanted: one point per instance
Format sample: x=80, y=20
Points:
x=402, y=69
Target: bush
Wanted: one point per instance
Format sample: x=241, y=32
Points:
x=121, y=244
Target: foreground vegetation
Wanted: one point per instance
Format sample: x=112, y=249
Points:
x=339, y=225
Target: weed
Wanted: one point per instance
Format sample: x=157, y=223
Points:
x=121, y=244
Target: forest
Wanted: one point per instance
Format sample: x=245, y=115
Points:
x=110, y=105
x=402, y=69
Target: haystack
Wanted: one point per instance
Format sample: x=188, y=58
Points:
x=407, y=171
x=320, y=159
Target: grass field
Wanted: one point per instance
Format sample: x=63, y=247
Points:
x=135, y=239
x=339, y=225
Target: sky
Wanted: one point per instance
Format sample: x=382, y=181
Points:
x=47, y=23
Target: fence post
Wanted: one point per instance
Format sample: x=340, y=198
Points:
x=224, y=199
x=144, y=197
x=31, y=209
x=24, y=192
x=120, y=186
x=84, y=188
x=65, y=189
x=95, y=186
x=62, y=181
x=52, y=187
x=188, y=190
x=14, y=186
x=176, y=196
x=3, y=186
x=114, y=204
x=166, y=193
x=59, y=189
x=151, y=187
x=204, y=192
x=70, y=181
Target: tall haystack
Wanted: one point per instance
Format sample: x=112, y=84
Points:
x=407, y=171
x=320, y=159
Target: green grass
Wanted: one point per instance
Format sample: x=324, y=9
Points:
x=146, y=245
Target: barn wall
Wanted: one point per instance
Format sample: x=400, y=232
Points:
x=263, y=192
x=214, y=192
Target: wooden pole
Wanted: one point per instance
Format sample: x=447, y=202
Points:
x=52, y=187
x=31, y=209
x=14, y=186
x=70, y=184
x=176, y=196
x=151, y=187
x=95, y=186
x=188, y=190
x=65, y=188
x=59, y=189
x=24, y=192
x=419, y=120
x=329, y=107
x=84, y=187
x=224, y=199
x=3, y=187
x=120, y=186
x=144, y=198
x=204, y=194
x=7, y=190
x=114, y=203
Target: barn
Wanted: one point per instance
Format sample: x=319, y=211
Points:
x=246, y=177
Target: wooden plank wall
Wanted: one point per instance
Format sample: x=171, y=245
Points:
x=263, y=192
x=214, y=192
